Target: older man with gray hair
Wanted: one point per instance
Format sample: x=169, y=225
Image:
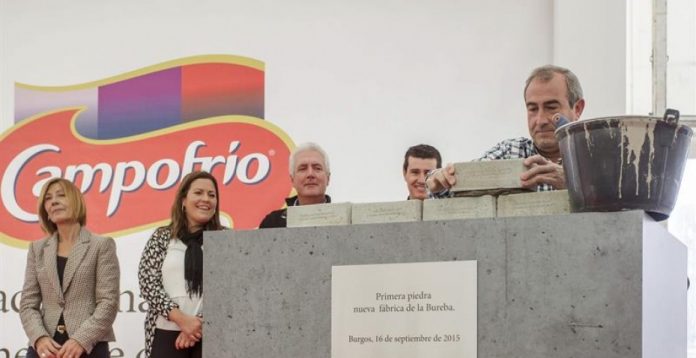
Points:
x=549, y=91
x=309, y=173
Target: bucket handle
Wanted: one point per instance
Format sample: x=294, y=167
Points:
x=671, y=116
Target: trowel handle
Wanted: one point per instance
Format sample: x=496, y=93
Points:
x=559, y=120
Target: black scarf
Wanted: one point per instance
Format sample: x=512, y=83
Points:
x=193, y=262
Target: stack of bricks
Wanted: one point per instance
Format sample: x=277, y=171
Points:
x=484, y=189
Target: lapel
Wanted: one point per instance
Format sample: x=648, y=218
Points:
x=50, y=253
x=75, y=258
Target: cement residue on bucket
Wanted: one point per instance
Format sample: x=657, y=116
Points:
x=633, y=139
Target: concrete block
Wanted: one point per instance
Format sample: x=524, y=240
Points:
x=492, y=174
x=319, y=215
x=387, y=212
x=532, y=204
x=459, y=208
x=586, y=285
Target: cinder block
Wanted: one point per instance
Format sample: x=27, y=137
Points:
x=387, y=212
x=491, y=174
x=532, y=204
x=319, y=215
x=459, y=208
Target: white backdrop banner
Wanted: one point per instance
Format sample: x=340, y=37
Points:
x=109, y=96
x=127, y=141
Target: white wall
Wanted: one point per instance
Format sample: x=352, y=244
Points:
x=365, y=78
x=681, y=49
x=372, y=76
x=589, y=37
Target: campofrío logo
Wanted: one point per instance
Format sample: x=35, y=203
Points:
x=127, y=142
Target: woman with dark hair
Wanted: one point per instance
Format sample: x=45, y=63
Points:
x=71, y=285
x=171, y=270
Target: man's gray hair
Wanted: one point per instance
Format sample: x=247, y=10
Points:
x=545, y=73
x=309, y=146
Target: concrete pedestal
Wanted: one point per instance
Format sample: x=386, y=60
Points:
x=578, y=285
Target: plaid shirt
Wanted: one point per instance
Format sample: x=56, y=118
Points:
x=513, y=148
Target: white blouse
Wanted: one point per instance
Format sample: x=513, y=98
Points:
x=175, y=284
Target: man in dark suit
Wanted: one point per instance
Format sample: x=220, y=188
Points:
x=310, y=174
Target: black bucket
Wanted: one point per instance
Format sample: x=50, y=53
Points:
x=625, y=162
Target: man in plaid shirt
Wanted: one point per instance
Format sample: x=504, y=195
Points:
x=549, y=90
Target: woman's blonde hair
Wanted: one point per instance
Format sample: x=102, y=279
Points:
x=75, y=200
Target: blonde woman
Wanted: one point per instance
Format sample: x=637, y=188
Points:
x=71, y=285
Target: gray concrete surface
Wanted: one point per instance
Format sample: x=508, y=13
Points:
x=548, y=286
